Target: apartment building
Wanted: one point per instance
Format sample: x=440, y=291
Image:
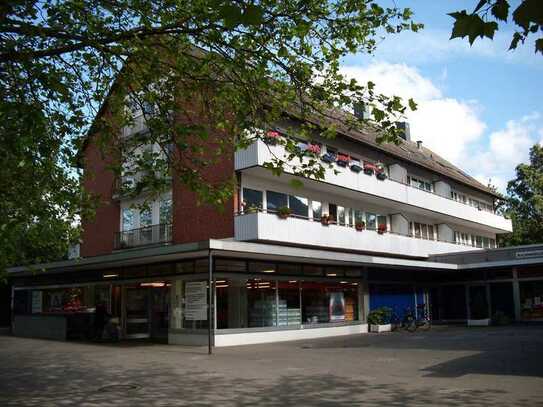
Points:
x=283, y=260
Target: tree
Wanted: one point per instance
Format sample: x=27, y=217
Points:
x=243, y=64
x=484, y=21
x=524, y=204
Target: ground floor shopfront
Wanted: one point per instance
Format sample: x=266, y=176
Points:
x=262, y=293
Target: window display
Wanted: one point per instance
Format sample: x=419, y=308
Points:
x=531, y=300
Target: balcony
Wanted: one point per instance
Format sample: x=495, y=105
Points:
x=269, y=227
x=146, y=236
x=389, y=190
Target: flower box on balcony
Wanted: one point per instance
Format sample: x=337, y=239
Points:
x=313, y=148
x=325, y=220
x=356, y=168
x=343, y=160
x=271, y=137
x=360, y=226
x=369, y=168
x=381, y=229
x=284, y=212
x=328, y=158
x=381, y=176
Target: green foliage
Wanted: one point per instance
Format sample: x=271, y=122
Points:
x=380, y=316
x=524, y=204
x=483, y=21
x=206, y=75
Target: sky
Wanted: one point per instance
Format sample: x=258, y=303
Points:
x=479, y=107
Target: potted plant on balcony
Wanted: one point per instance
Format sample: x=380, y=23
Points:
x=343, y=160
x=356, y=168
x=284, y=212
x=313, y=149
x=369, y=168
x=380, y=172
x=325, y=220
x=381, y=229
x=249, y=208
x=272, y=137
x=360, y=225
x=328, y=158
x=379, y=320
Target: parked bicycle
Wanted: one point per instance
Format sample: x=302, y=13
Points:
x=411, y=322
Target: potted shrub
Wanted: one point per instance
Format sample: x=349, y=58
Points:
x=369, y=168
x=360, y=225
x=343, y=160
x=380, y=172
x=381, y=229
x=325, y=219
x=272, y=137
x=356, y=168
x=328, y=158
x=284, y=212
x=379, y=320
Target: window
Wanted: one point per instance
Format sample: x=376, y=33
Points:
x=341, y=215
x=128, y=219
x=422, y=230
x=431, y=232
x=276, y=200
x=331, y=150
x=252, y=199
x=165, y=211
x=298, y=205
x=329, y=302
x=288, y=311
x=382, y=221
x=418, y=230
x=146, y=217
x=420, y=184
x=358, y=216
x=333, y=212
x=316, y=206
x=371, y=221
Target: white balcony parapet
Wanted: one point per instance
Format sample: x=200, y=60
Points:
x=259, y=153
x=269, y=227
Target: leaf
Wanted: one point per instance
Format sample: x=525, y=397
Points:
x=528, y=11
x=539, y=45
x=500, y=10
x=231, y=15
x=412, y=104
x=296, y=183
x=516, y=38
x=253, y=15
x=480, y=5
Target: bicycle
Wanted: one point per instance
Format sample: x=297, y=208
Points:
x=411, y=323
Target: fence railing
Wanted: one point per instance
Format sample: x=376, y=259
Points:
x=148, y=235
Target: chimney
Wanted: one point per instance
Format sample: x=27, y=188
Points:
x=403, y=127
x=419, y=144
x=361, y=110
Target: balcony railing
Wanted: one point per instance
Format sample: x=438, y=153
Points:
x=149, y=235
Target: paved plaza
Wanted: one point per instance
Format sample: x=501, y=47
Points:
x=452, y=366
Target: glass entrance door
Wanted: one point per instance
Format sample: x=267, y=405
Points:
x=137, y=319
x=478, y=302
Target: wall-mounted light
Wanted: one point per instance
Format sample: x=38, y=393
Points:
x=110, y=275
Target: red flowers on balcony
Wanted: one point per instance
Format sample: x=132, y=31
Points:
x=271, y=137
x=313, y=148
x=360, y=226
x=343, y=160
x=382, y=228
x=369, y=168
x=325, y=220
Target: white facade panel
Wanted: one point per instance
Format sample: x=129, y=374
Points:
x=268, y=227
x=259, y=153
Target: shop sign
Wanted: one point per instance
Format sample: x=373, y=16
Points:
x=529, y=253
x=196, y=301
x=37, y=301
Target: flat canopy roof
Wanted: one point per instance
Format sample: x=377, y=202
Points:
x=260, y=251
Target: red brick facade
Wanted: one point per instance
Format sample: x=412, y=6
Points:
x=98, y=232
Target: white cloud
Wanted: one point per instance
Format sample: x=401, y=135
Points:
x=453, y=128
x=445, y=125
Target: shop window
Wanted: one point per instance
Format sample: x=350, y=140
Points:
x=298, y=206
x=252, y=199
x=225, y=265
x=310, y=270
x=329, y=302
x=289, y=269
x=185, y=267
x=261, y=267
x=276, y=200
x=316, y=207
x=288, y=306
x=531, y=300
